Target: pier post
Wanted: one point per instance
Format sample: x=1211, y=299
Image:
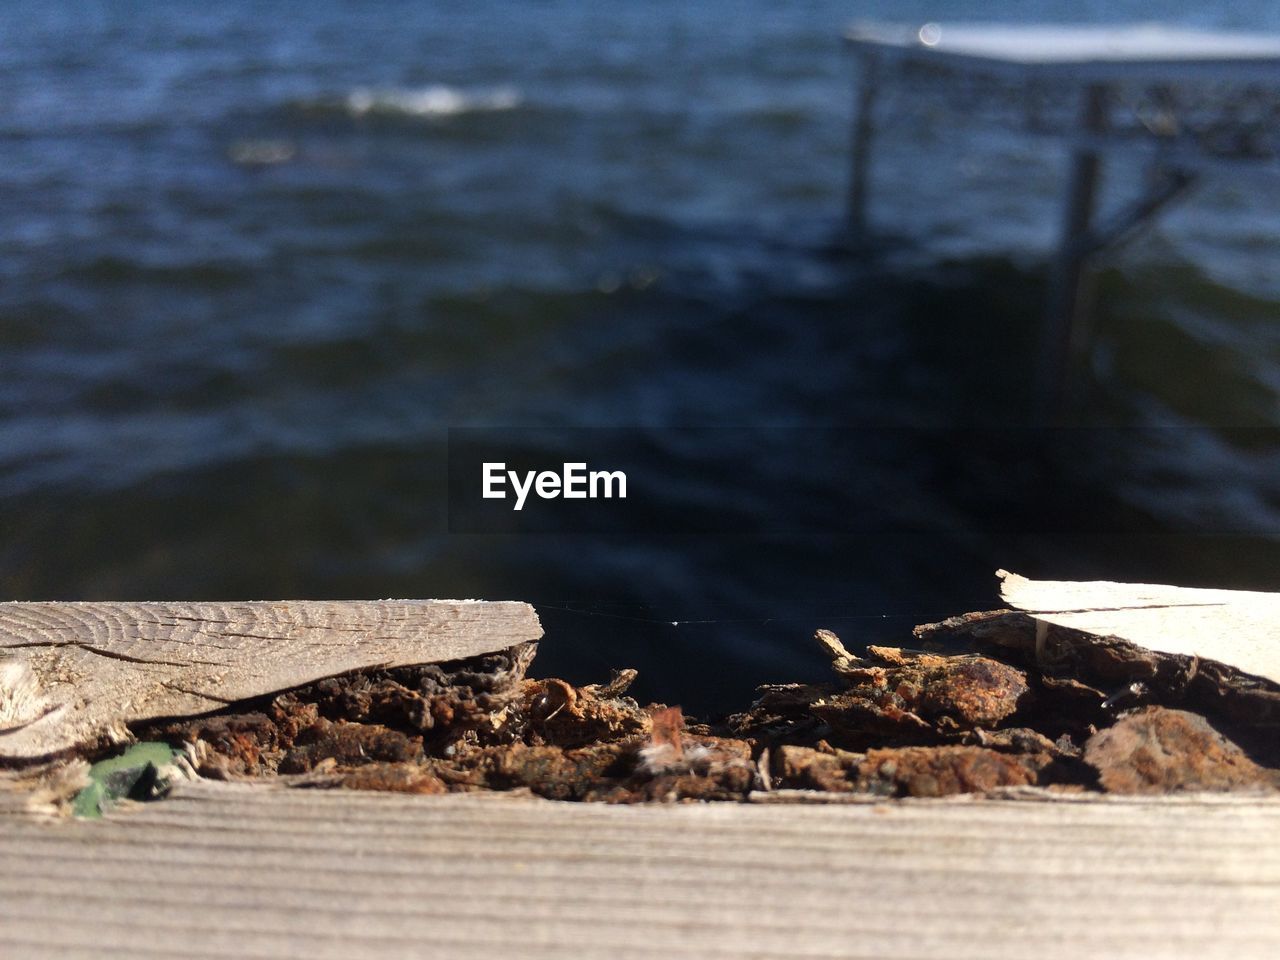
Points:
x=866, y=86
x=1063, y=334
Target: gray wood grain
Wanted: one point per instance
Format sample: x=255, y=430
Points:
x=226, y=870
x=73, y=673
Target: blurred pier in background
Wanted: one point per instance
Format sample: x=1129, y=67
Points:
x=1182, y=103
x=254, y=269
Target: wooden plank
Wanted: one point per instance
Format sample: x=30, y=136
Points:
x=1236, y=627
x=1083, y=53
x=224, y=870
x=1085, y=44
x=78, y=672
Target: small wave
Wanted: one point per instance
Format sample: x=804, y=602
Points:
x=261, y=153
x=433, y=101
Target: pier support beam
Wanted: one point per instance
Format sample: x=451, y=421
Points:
x=1061, y=336
x=866, y=88
x=1068, y=325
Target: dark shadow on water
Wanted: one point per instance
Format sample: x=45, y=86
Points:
x=916, y=384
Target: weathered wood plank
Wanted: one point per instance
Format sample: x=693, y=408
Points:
x=224, y=870
x=1236, y=627
x=77, y=672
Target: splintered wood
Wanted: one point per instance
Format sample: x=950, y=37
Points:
x=1238, y=628
x=432, y=698
x=77, y=674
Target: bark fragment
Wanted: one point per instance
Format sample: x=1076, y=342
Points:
x=1158, y=750
x=943, y=771
x=908, y=771
x=898, y=697
x=808, y=768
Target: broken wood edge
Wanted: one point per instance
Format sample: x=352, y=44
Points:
x=1236, y=628
x=1247, y=698
x=77, y=674
x=43, y=793
x=46, y=788
x=1120, y=595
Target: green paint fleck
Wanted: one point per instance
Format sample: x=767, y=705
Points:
x=129, y=775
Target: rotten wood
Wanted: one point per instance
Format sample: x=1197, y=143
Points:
x=75, y=674
x=1031, y=704
x=899, y=723
x=1157, y=750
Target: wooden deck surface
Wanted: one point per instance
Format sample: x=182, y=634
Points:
x=222, y=870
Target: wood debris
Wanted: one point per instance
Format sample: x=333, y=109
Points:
x=896, y=723
x=74, y=675
x=1158, y=750
x=1020, y=701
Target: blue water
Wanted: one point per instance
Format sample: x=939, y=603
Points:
x=256, y=258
